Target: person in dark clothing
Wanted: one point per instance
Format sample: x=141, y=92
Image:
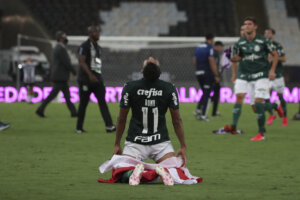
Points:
x=90, y=79
x=60, y=71
x=218, y=51
x=206, y=73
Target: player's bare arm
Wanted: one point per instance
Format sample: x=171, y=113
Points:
x=83, y=65
x=235, y=59
x=274, y=64
x=214, y=68
x=280, y=58
x=120, y=127
x=234, y=70
x=178, y=128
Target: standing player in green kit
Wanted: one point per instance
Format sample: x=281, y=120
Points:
x=252, y=53
x=278, y=83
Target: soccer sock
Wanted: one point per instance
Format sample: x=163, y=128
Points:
x=261, y=118
x=269, y=106
x=125, y=176
x=283, y=104
x=237, y=109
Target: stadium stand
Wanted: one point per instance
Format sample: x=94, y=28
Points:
x=255, y=8
x=173, y=18
x=207, y=16
x=293, y=8
x=287, y=29
x=141, y=19
x=73, y=16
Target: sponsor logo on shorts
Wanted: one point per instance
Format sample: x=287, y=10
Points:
x=146, y=139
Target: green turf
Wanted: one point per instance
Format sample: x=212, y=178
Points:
x=44, y=159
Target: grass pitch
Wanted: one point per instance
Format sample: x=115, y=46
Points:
x=43, y=159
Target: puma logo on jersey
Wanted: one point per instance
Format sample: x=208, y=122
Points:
x=175, y=99
x=126, y=99
x=149, y=93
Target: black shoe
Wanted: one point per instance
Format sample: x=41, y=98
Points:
x=40, y=113
x=110, y=129
x=80, y=131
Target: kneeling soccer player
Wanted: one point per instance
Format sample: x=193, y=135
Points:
x=149, y=99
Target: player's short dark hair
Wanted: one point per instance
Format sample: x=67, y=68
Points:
x=209, y=36
x=250, y=18
x=219, y=43
x=151, y=71
x=272, y=30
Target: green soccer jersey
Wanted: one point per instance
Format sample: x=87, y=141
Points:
x=149, y=102
x=280, y=51
x=254, y=64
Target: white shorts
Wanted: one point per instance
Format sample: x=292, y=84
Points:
x=251, y=92
x=256, y=89
x=142, y=152
x=278, y=85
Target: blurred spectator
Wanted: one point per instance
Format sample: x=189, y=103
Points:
x=90, y=79
x=60, y=72
x=218, y=52
x=29, y=76
x=206, y=73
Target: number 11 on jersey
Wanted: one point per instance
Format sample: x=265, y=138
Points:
x=145, y=119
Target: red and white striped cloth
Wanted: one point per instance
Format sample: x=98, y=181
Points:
x=120, y=164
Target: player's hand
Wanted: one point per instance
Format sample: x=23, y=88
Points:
x=233, y=78
x=272, y=75
x=117, y=150
x=182, y=153
x=93, y=78
x=217, y=79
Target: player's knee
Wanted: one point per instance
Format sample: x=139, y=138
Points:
x=240, y=98
x=259, y=100
x=253, y=108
